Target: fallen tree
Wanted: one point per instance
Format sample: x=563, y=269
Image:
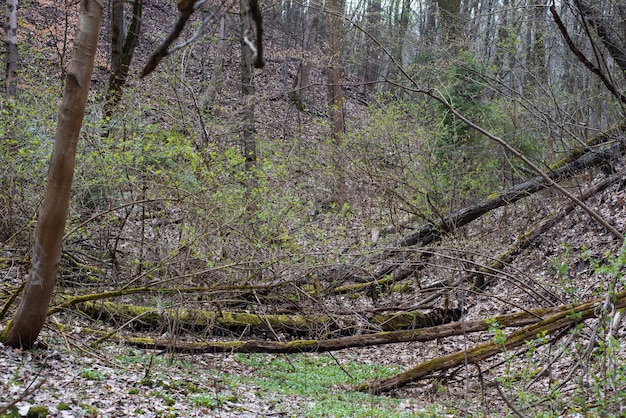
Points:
x=430, y=232
x=555, y=322
x=312, y=346
x=527, y=238
x=212, y=321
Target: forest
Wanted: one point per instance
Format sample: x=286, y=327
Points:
x=400, y=208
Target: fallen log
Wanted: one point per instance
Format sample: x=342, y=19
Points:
x=149, y=317
x=430, y=232
x=312, y=346
x=549, y=325
x=527, y=238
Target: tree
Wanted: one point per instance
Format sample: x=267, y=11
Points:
x=123, y=44
x=208, y=98
x=12, y=54
x=304, y=69
x=372, y=54
x=335, y=92
x=247, y=87
x=25, y=326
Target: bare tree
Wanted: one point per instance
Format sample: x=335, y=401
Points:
x=208, y=98
x=12, y=54
x=123, y=44
x=372, y=51
x=24, y=328
x=335, y=92
x=304, y=69
x=247, y=88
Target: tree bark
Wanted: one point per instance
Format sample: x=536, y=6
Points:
x=247, y=89
x=122, y=50
x=549, y=325
x=304, y=69
x=372, y=52
x=208, y=98
x=28, y=321
x=335, y=95
x=12, y=53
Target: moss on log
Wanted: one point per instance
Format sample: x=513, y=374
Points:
x=299, y=346
x=563, y=319
x=196, y=318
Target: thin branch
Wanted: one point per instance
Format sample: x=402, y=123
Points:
x=583, y=59
x=186, y=9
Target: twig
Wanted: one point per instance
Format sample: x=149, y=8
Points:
x=26, y=394
x=506, y=400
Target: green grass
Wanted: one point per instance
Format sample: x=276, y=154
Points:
x=319, y=387
x=303, y=385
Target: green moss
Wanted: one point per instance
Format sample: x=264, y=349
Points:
x=91, y=374
x=64, y=407
x=400, y=321
x=38, y=412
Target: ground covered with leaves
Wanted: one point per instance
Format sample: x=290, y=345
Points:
x=113, y=380
x=171, y=238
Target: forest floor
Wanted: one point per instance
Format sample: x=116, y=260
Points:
x=71, y=374
x=71, y=379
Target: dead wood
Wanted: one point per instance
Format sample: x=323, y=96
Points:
x=301, y=346
x=148, y=317
x=431, y=232
x=527, y=238
x=186, y=9
x=554, y=322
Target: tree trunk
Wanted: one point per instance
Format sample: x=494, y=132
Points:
x=12, y=54
x=372, y=54
x=335, y=95
x=208, y=98
x=449, y=15
x=28, y=321
x=123, y=46
x=549, y=325
x=304, y=69
x=247, y=89
x=401, y=10
x=517, y=319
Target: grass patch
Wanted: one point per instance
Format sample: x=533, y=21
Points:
x=322, y=385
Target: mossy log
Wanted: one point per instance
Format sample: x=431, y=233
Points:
x=549, y=325
x=616, y=132
x=431, y=232
x=301, y=346
x=148, y=317
x=152, y=317
x=612, y=134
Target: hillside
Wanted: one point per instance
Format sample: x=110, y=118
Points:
x=395, y=268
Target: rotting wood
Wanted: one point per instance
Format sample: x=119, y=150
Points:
x=527, y=238
x=153, y=317
x=517, y=319
x=552, y=323
x=194, y=319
